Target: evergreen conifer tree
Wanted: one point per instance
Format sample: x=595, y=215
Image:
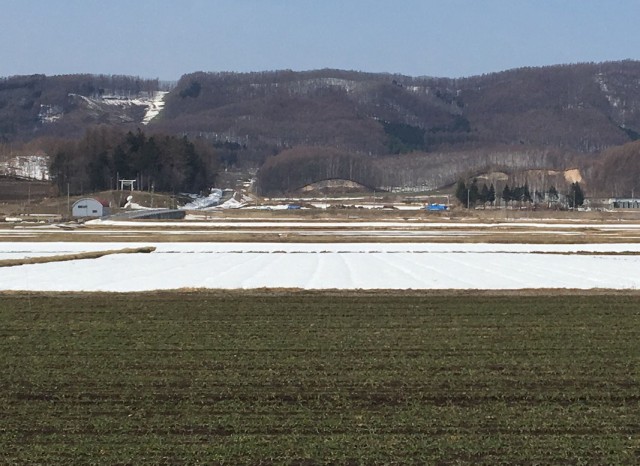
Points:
x=526, y=194
x=576, y=196
x=461, y=192
x=506, y=194
x=474, y=193
x=492, y=194
x=484, y=194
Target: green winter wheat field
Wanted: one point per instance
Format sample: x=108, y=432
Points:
x=316, y=378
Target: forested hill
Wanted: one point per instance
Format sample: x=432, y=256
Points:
x=583, y=107
x=66, y=106
x=552, y=113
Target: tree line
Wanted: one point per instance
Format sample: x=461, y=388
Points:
x=160, y=162
x=298, y=167
x=470, y=195
x=616, y=172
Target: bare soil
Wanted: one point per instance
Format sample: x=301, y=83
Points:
x=73, y=257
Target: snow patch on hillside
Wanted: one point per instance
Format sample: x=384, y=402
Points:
x=153, y=104
x=156, y=104
x=50, y=113
x=613, y=100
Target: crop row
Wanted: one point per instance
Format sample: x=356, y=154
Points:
x=306, y=378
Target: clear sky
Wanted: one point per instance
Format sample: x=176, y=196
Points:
x=451, y=38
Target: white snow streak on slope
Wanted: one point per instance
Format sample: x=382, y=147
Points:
x=322, y=266
x=155, y=106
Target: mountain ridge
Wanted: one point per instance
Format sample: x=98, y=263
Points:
x=572, y=110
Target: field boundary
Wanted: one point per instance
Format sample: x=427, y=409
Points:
x=334, y=292
x=73, y=257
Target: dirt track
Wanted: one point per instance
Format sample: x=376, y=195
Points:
x=326, y=231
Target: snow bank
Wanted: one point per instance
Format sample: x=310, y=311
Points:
x=231, y=204
x=213, y=199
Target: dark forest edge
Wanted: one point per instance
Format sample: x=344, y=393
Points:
x=158, y=162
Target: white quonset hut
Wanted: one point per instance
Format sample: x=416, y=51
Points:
x=90, y=207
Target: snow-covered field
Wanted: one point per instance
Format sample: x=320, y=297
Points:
x=323, y=266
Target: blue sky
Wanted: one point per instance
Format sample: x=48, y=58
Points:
x=452, y=38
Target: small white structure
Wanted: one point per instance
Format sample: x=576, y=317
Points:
x=90, y=207
x=128, y=183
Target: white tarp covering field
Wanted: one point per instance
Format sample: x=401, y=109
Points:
x=324, y=266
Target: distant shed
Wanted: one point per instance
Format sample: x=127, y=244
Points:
x=90, y=207
x=625, y=203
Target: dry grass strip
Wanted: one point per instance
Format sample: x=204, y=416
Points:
x=586, y=253
x=73, y=257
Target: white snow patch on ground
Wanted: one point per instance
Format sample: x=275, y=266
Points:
x=232, y=203
x=32, y=167
x=322, y=266
x=213, y=199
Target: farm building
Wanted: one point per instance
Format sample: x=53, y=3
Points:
x=625, y=203
x=90, y=207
